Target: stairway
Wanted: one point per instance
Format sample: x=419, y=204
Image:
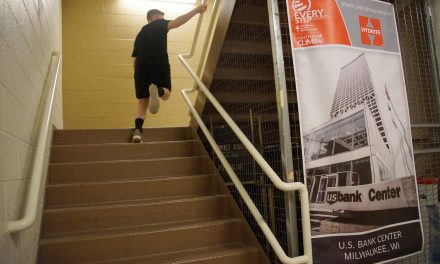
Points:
x=243, y=81
x=162, y=201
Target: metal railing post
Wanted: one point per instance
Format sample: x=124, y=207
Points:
x=284, y=125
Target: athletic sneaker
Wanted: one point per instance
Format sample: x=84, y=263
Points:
x=154, y=99
x=137, y=136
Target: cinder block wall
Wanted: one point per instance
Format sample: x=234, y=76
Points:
x=29, y=31
x=98, y=38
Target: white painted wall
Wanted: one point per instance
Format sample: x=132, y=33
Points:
x=29, y=31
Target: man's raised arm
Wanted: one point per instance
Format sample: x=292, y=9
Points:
x=200, y=9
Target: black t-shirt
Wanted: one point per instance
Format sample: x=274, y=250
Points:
x=151, y=43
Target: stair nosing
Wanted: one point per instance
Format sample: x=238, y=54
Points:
x=120, y=129
x=56, y=164
x=86, y=237
x=121, y=144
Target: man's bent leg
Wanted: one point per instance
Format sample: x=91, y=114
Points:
x=154, y=98
x=155, y=94
x=166, y=94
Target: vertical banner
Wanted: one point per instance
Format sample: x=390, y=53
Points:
x=355, y=127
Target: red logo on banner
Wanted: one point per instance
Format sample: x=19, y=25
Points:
x=301, y=5
x=375, y=30
x=316, y=22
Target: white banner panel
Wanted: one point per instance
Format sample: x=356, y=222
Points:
x=356, y=136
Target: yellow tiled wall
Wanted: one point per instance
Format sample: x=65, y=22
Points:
x=98, y=84
x=29, y=31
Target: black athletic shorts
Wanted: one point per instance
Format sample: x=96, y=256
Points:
x=146, y=74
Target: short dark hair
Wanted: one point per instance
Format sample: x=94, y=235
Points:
x=153, y=12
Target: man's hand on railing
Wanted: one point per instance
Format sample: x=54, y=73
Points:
x=201, y=8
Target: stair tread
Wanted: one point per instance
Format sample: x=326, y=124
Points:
x=123, y=151
x=119, y=204
x=138, y=180
x=100, y=217
x=103, y=145
x=122, y=202
x=99, y=171
x=137, y=230
x=186, y=256
x=79, y=136
x=79, y=194
x=115, y=180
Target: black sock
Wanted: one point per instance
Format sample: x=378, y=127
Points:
x=139, y=122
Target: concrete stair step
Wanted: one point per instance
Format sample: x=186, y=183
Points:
x=78, y=194
x=100, y=136
x=130, y=201
x=140, y=242
x=124, y=151
x=110, y=201
x=118, y=231
x=229, y=253
x=80, y=172
x=64, y=221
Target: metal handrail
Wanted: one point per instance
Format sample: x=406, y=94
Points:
x=30, y=213
x=295, y=186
